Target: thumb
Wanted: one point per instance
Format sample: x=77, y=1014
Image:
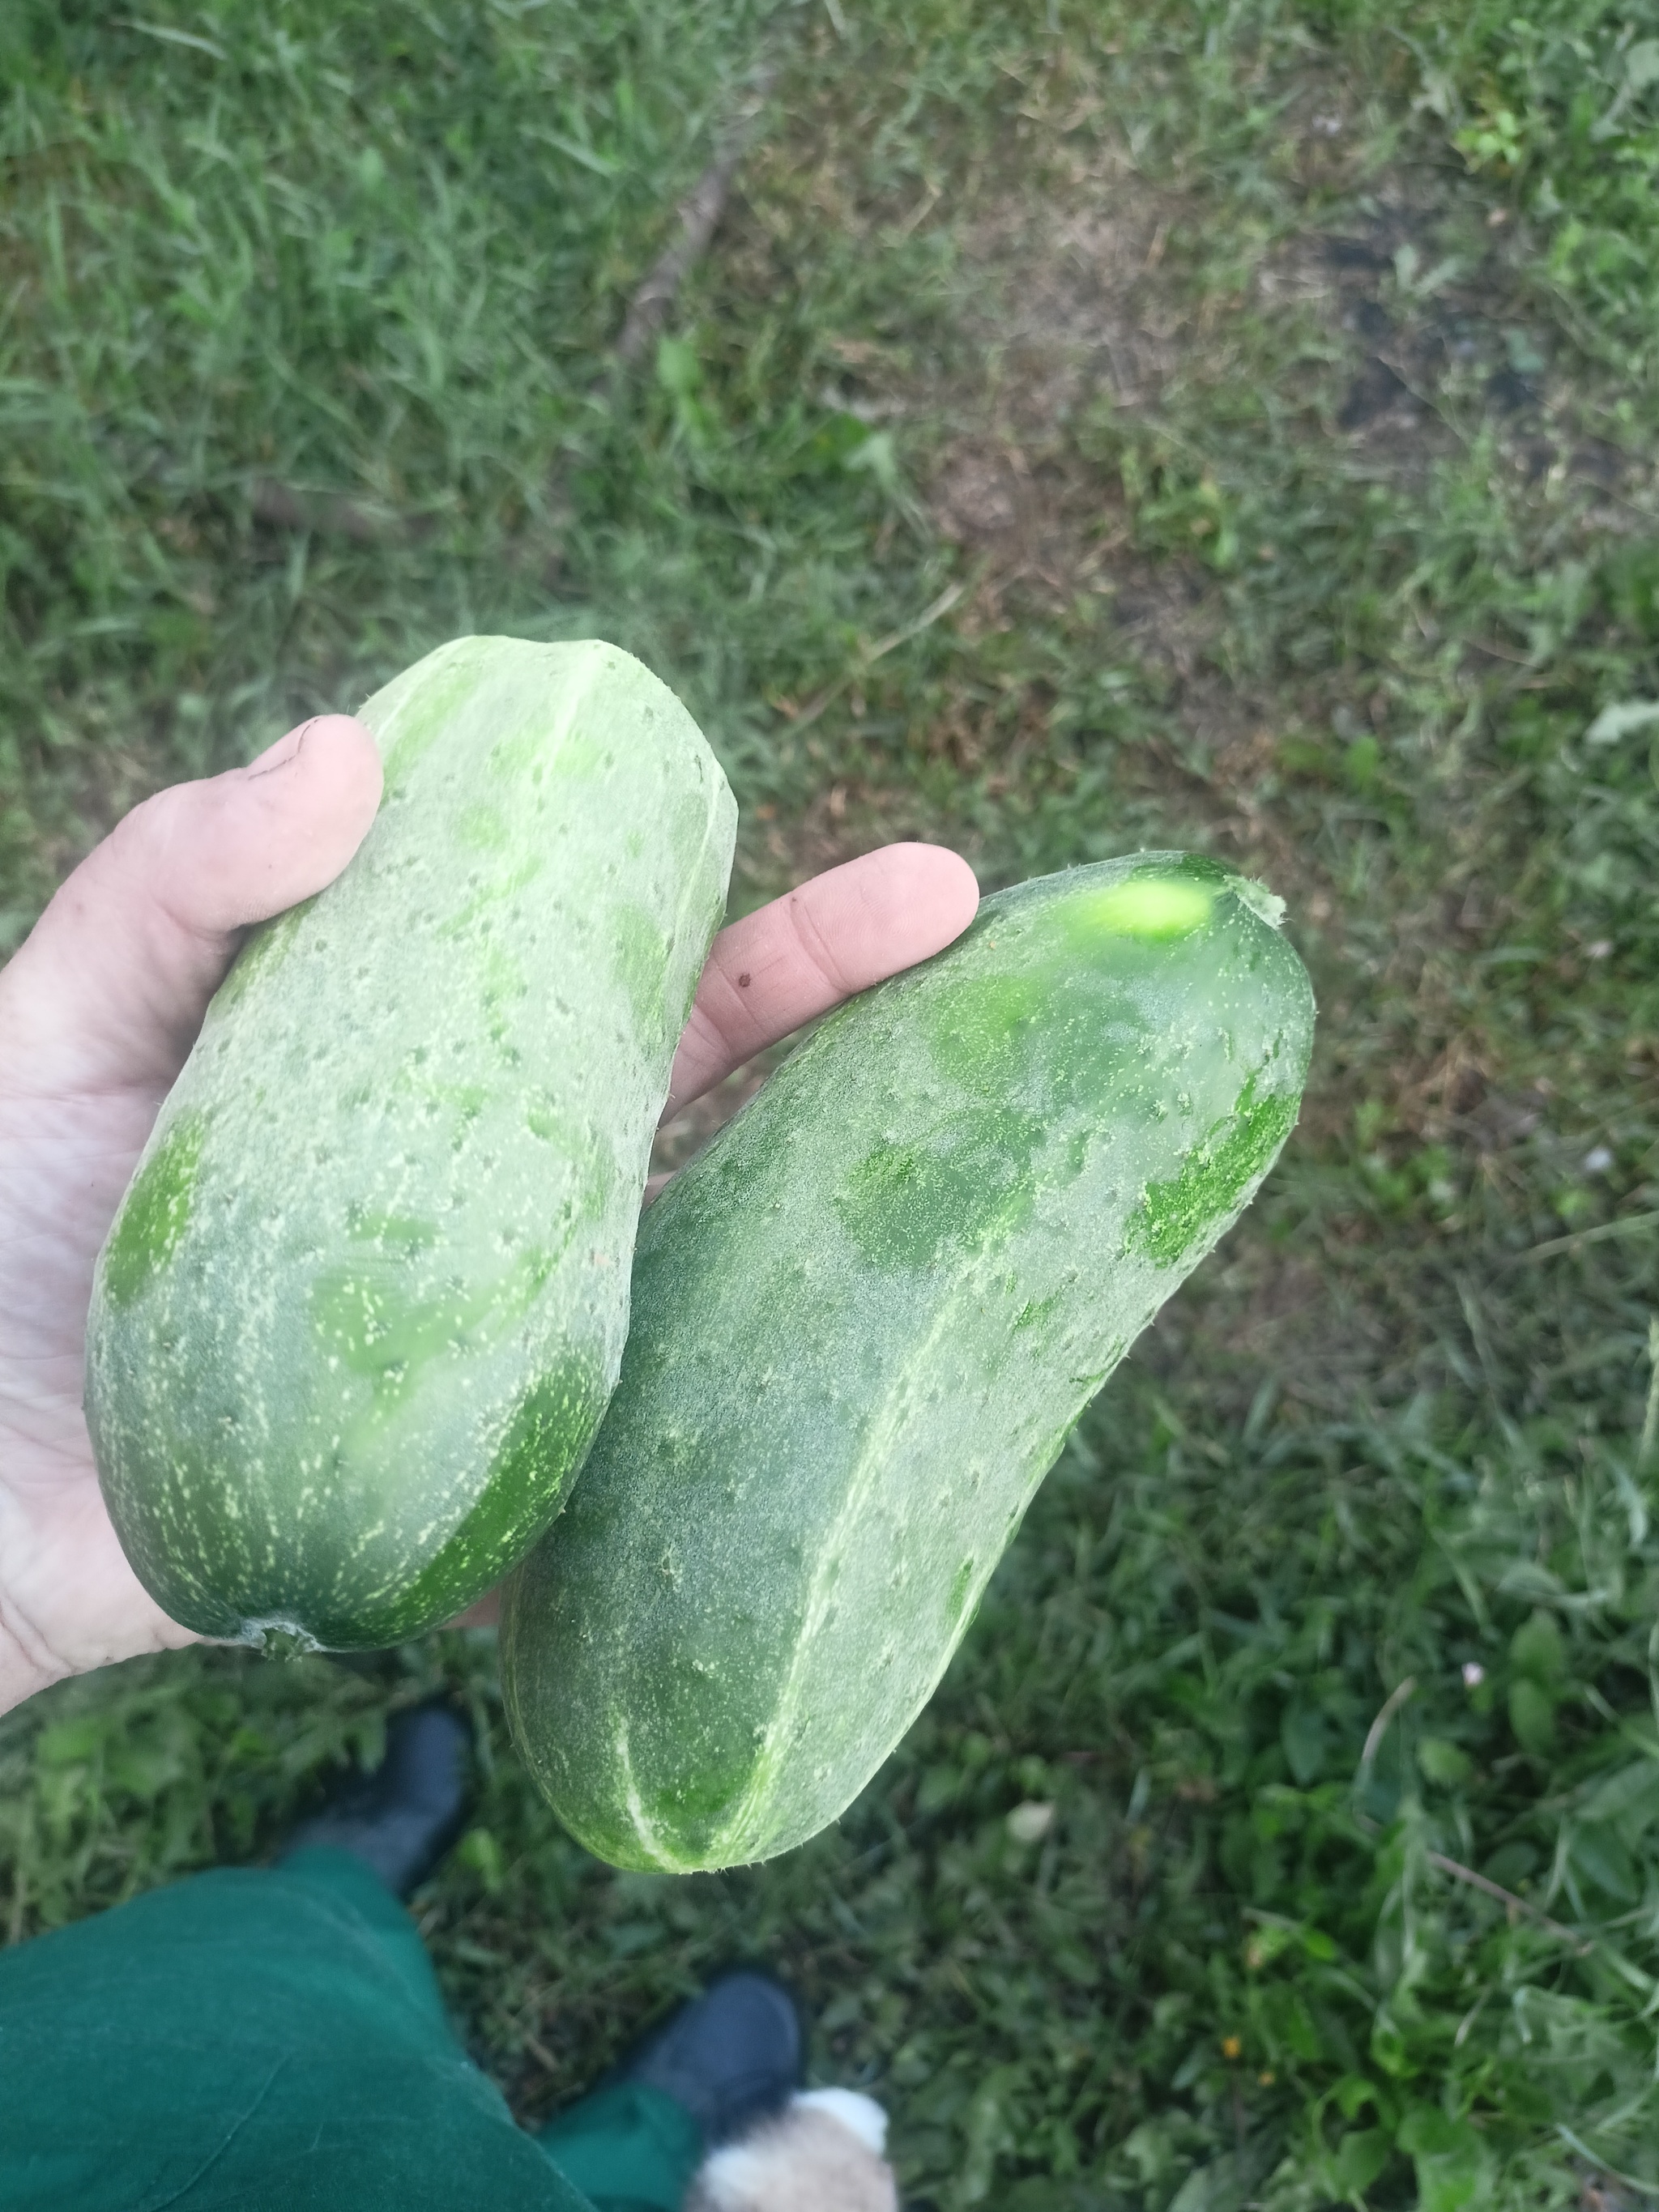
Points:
x=109, y=991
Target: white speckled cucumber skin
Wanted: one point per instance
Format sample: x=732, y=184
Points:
x=360, y=1314
x=864, y=1321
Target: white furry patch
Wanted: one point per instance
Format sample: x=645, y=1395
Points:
x=821, y=2154
x=854, y=2110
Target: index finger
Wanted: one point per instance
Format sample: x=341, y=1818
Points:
x=850, y=927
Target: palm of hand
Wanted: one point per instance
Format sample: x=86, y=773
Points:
x=97, y=1014
x=68, y=1599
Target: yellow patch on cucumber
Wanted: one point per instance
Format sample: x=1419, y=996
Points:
x=1157, y=907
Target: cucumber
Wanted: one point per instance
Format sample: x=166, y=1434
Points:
x=358, y=1317
x=864, y=1320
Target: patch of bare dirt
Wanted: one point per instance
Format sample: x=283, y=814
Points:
x=1066, y=310
x=1070, y=308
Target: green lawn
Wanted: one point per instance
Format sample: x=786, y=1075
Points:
x=1227, y=424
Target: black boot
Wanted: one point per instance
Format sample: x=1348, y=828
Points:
x=401, y=1820
x=729, y=2055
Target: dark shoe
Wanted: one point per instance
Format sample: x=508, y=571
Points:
x=728, y=2056
x=401, y=1820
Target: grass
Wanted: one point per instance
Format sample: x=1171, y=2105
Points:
x=1276, y=383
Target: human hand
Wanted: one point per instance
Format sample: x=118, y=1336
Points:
x=99, y=1008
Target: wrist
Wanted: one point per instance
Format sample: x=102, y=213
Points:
x=21, y=1673
x=32, y=1650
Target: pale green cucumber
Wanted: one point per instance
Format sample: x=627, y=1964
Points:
x=864, y=1322
x=361, y=1311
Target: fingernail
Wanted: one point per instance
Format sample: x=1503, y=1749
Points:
x=279, y=755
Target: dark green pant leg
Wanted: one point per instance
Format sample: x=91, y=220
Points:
x=629, y=2149
x=343, y=1880
x=250, y=2041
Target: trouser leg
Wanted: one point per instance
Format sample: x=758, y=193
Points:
x=628, y=2147
x=270, y=2041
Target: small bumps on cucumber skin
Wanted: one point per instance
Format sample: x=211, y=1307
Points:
x=361, y=1311
x=864, y=1320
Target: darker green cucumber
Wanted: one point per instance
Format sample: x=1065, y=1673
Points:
x=864, y=1322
